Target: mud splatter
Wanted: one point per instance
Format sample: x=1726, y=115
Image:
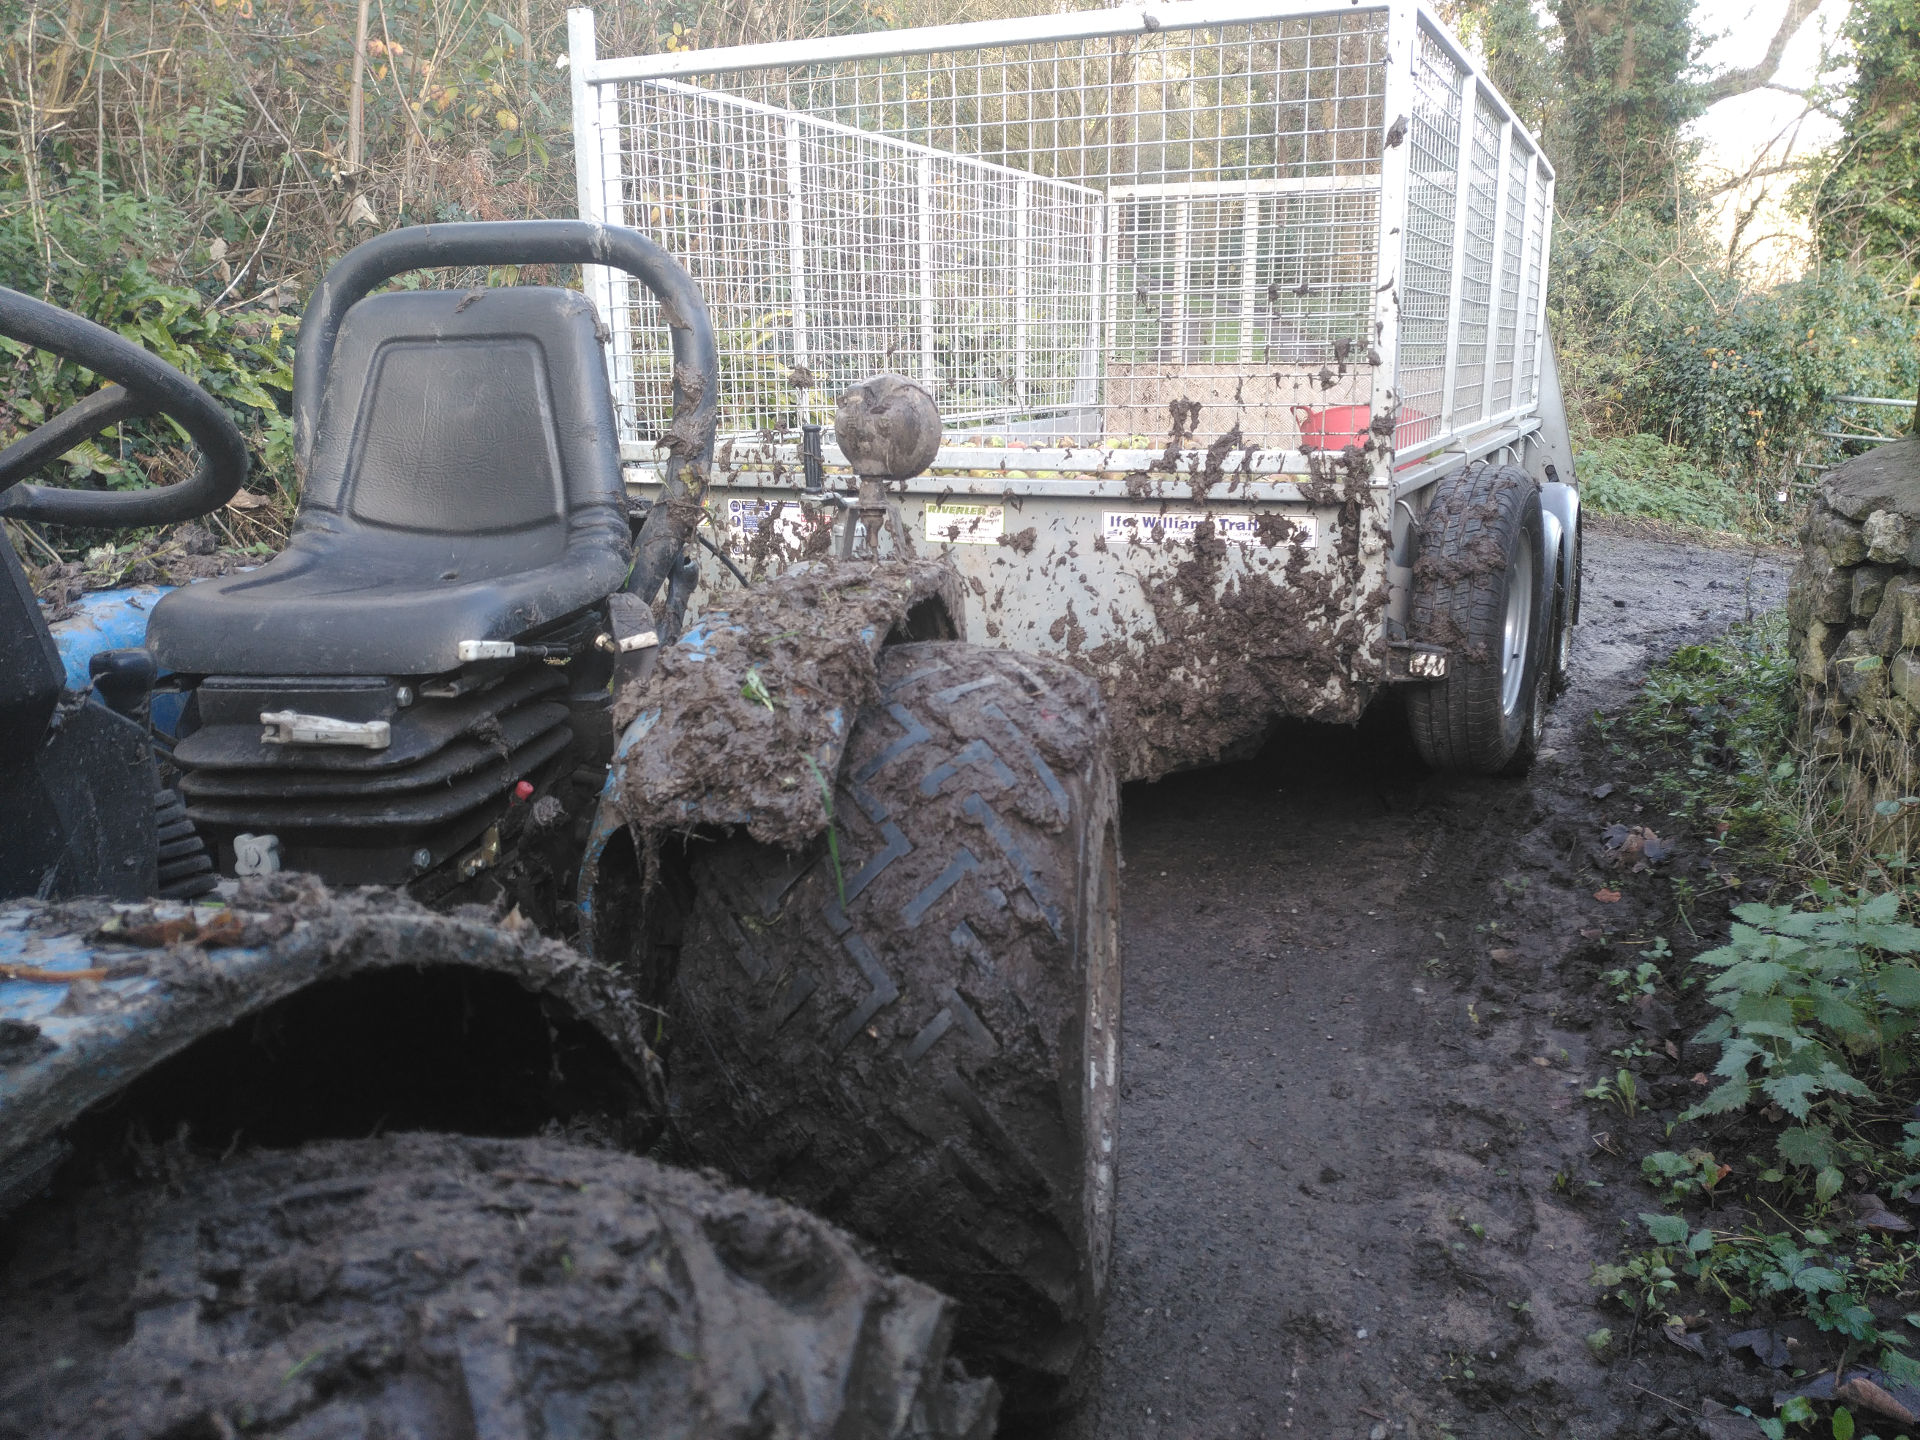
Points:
x=755, y=691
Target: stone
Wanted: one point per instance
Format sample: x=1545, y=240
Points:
x=1885, y=478
x=1843, y=540
x=1887, y=534
x=1858, y=675
x=1869, y=583
x=1829, y=590
x=1828, y=740
x=1816, y=649
x=1884, y=630
x=1906, y=677
x=1903, y=597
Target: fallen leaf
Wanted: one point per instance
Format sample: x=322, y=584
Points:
x=1600, y=792
x=1870, y=1212
x=1614, y=836
x=1541, y=1060
x=247, y=500
x=48, y=977
x=1724, y=1424
x=1500, y=957
x=1702, y=1078
x=1592, y=934
x=1673, y=1050
x=1656, y=849
x=1858, y=1390
x=1606, y=897
x=1676, y=1332
x=1770, y=1346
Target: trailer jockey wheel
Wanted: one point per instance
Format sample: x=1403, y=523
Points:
x=1483, y=587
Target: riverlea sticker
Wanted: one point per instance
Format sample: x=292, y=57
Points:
x=1128, y=527
x=964, y=524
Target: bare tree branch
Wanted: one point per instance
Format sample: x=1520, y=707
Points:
x=1738, y=82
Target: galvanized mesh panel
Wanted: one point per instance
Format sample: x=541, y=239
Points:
x=1512, y=267
x=827, y=254
x=1476, y=271
x=1070, y=238
x=1425, y=288
x=1530, y=301
x=1061, y=239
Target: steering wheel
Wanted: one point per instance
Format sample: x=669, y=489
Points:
x=143, y=385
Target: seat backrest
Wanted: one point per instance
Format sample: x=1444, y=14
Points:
x=480, y=414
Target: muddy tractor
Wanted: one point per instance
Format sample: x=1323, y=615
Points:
x=446, y=990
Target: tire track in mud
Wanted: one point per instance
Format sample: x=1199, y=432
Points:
x=1337, y=1210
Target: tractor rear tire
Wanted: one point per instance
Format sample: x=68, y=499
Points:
x=913, y=1028
x=455, y=1289
x=1483, y=587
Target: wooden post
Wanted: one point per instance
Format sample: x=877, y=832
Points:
x=357, y=102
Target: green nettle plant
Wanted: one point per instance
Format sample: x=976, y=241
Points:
x=1810, y=998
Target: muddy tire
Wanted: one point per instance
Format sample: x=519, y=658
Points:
x=918, y=1037
x=1483, y=587
x=452, y=1289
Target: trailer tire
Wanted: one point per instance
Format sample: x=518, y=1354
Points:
x=914, y=1031
x=447, y=1289
x=1483, y=587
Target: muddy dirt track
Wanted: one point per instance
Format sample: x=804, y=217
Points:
x=1353, y=1035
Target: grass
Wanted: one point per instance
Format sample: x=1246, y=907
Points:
x=1642, y=477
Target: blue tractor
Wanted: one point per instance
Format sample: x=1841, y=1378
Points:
x=383, y=926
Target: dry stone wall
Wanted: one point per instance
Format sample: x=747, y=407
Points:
x=1853, y=613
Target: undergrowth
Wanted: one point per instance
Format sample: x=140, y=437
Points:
x=1782, y=1185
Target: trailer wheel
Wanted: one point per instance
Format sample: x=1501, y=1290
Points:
x=1483, y=586
x=914, y=1029
x=446, y=1289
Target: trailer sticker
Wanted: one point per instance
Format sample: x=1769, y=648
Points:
x=964, y=524
x=790, y=522
x=1127, y=527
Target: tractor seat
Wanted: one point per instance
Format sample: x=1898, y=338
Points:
x=464, y=484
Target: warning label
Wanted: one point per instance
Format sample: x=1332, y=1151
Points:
x=964, y=524
x=1127, y=527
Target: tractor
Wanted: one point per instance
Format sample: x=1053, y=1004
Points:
x=447, y=990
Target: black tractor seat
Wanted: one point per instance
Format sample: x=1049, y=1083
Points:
x=464, y=485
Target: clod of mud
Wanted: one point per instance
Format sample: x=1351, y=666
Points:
x=1227, y=654
x=743, y=721
x=430, y=1285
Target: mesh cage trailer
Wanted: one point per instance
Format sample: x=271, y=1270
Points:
x=1209, y=295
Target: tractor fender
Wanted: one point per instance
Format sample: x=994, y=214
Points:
x=743, y=722
x=93, y=995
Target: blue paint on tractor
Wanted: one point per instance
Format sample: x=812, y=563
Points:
x=103, y=620
x=114, y=620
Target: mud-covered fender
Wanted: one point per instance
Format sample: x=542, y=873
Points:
x=94, y=995
x=743, y=722
x=1560, y=504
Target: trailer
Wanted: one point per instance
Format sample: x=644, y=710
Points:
x=1234, y=311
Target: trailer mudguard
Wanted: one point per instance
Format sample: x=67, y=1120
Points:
x=743, y=722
